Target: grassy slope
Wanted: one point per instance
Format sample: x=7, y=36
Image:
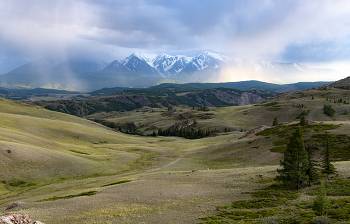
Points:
x=243, y=117
x=40, y=141
x=49, y=150
x=45, y=147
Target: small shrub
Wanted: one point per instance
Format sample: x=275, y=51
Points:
x=274, y=108
x=270, y=104
x=275, y=121
x=83, y=153
x=321, y=220
x=279, y=149
x=280, y=142
x=89, y=193
x=118, y=182
x=308, y=214
x=303, y=121
x=267, y=220
x=265, y=181
x=337, y=188
x=17, y=183
x=339, y=214
x=303, y=113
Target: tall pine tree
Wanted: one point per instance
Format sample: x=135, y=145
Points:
x=327, y=166
x=312, y=170
x=295, y=161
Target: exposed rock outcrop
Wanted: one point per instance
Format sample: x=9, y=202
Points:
x=11, y=206
x=325, y=87
x=15, y=218
x=182, y=125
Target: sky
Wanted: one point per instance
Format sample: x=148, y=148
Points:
x=313, y=33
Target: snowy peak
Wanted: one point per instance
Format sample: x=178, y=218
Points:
x=163, y=65
x=219, y=57
x=149, y=58
x=168, y=65
x=206, y=61
x=142, y=63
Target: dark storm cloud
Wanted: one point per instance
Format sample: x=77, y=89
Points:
x=272, y=30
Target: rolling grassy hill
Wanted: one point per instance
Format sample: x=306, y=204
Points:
x=46, y=154
x=40, y=147
x=65, y=169
x=286, y=107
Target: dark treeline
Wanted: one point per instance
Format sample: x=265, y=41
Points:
x=129, y=128
x=187, y=133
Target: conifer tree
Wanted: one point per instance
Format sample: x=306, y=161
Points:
x=303, y=121
x=312, y=170
x=294, y=164
x=275, y=121
x=327, y=166
x=321, y=202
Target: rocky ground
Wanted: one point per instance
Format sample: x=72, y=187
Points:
x=14, y=218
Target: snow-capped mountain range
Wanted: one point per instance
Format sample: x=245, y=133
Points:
x=167, y=66
x=150, y=64
x=144, y=70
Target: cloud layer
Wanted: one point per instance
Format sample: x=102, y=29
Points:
x=292, y=31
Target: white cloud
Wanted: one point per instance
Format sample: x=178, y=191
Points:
x=269, y=30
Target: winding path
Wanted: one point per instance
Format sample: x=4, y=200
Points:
x=169, y=164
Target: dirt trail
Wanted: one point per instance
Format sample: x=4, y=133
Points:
x=169, y=164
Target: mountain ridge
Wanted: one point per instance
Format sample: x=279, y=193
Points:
x=134, y=69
